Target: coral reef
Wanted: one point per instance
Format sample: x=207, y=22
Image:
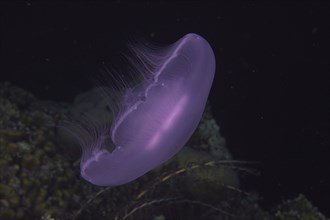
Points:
x=40, y=177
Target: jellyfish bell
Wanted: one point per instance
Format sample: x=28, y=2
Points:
x=154, y=118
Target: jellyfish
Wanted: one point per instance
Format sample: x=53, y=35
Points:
x=154, y=118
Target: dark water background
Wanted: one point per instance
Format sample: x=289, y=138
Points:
x=271, y=91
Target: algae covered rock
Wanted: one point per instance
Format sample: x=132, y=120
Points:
x=40, y=181
x=35, y=178
x=298, y=208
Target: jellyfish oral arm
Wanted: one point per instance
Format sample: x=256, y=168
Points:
x=167, y=125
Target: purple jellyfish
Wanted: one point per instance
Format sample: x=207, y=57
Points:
x=156, y=117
